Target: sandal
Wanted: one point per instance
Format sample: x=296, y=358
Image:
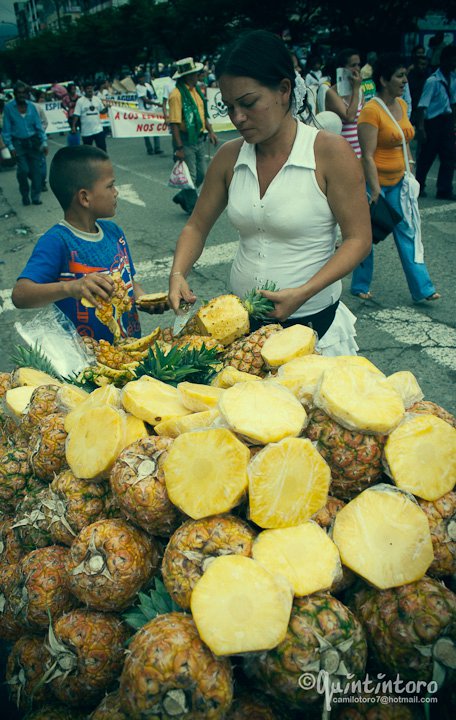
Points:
x=366, y=296
x=435, y=296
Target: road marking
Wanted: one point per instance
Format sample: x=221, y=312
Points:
x=425, y=212
x=410, y=327
x=139, y=174
x=129, y=194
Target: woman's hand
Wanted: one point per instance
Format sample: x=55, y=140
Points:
x=374, y=195
x=286, y=302
x=179, y=291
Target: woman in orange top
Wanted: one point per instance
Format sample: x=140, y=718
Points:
x=384, y=169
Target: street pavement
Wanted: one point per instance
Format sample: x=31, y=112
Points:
x=393, y=332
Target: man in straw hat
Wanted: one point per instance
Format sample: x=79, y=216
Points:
x=188, y=121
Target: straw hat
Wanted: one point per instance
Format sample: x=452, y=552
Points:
x=187, y=66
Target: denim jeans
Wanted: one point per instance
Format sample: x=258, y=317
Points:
x=148, y=144
x=195, y=157
x=416, y=274
x=29, y=158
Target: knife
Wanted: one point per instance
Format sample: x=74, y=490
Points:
x=185, y=312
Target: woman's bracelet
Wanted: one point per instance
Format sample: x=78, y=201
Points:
x=176, y=273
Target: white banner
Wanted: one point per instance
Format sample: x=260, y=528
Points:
x=131, y=122
x=218, y=114
x=57, y=118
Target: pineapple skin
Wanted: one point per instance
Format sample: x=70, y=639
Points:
x=10, y=627
x=399, y=620
x=10, y=548
x=245, y=354
x=138, y=484
x=43, y=402
x=441, y=515
x=31, y=526
x=109, y=709
x=430, y=408
x=98, y=641
x=127, y=556
x=24, y=670
x=47, y=447
x=15, y=474
x=194, y=543
x=355, y=458
x=166, y=655
x=41, y=591
x=277, y=671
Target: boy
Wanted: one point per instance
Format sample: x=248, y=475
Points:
x=73, y=259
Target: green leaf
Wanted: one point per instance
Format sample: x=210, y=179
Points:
x=33, y=357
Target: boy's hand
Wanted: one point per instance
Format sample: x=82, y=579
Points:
x=93, y=288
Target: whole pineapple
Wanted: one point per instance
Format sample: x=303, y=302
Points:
x=410, y=629
x=15, y=476
x=169, y=672
x=43, y=402
x=323, y=634
x=109, y=562
x=441, y=515
x=55, y=711
x=431, y=408
x=253, y=706
x=110, y=708
x=138, y=484
x=194, y=544
x=85, y=655
x=40, y=591
x=245, y=354
x=30, y=523
x=355, y=458
x=71, y=504
x=10, y=547
x=10, y=627
x=47, y=447
x=24, y=670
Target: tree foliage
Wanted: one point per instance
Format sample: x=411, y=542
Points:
x=150, y=30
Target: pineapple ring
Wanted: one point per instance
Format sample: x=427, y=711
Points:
x=95, y=441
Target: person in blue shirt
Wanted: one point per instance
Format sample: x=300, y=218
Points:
x=436, y=125
x=76, y=258
x=25, y=138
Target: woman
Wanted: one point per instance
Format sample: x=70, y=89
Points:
x=384, y=167
x=285, y=185
x=348, y=107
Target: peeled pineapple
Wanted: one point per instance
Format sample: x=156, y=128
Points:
x=421, y=456
x=288, y=344
x=197, y=397
x=383, y=535
x=95, y=441
x=33, y=377
x=152, y=400
x=262, y=412
x=229, y=376
x=238, y=606
x=135, y=429
x=18, y=398
x=107, y=395
x=288, y=483
x=304, y=554
x=407, y=386
x=206, y=472
x=176, y=426
x=224, y=318
x=359, y=399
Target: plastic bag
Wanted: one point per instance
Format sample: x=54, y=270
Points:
x=180, y=177
x=57, y=338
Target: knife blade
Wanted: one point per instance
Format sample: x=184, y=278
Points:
x=185, y=312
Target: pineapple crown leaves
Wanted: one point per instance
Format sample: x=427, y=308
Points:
x=258, y=306
x=156, y=602
x=179, y=364
x=33, y=357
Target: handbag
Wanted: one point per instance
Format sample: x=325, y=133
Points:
x=410, y=192
x=384, y=219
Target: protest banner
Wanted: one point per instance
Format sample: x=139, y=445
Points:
x=56, y=116
x=217, y=111
x=131, y=122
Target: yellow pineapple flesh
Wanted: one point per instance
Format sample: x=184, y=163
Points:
x=304, y=554
x=197, y=397
x=421, y=456
x=135, y=429
x=406, y=384
x=262, y=412
x=239, y=606
x=288, y=344
x=31, y=376
x=176, y=426
x=18, y=398
x=288, y=483
x=229, y=376
x=95, y=442
x=70, y=396
x=107, y=395
x=302, y=374
x=206, y=472
x=224, y=318
x=383, y=536
x=152, y=400
x=359, y=399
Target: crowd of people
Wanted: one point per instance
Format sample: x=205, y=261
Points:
x=315, y=152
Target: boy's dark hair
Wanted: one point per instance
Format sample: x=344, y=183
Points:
x=72, y=169
x=386, y=66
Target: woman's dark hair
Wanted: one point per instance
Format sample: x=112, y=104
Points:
x=260, y=55
x=343, y=56
x=386, y=66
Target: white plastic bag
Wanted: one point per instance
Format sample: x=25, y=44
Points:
x=180, y=177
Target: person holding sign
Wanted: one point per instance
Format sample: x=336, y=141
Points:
x=147, y=99
x=87, y=112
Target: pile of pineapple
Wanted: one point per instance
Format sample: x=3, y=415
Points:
x=181, y=549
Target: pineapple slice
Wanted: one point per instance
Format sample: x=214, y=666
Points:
x=229, y=376
x=383, y=535
x=421, y=456
x=302, y=374
x=152, y=400
x=359, y=399
x=30, y=376
x=95, y=442
x=357, y=361
x=196, y=421
x=406, y=384
x=262, y=412
x=206, y=472
x=197, y=397
x=288, y=344
x=70, y=396
x=135, y=429
x=288, y=483
x=304, y=554
x=238, y=606
x=224, y=318
x=106, y=395
x=17, y=399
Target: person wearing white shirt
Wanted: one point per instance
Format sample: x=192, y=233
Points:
x=87, y=111
x=147, y=100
